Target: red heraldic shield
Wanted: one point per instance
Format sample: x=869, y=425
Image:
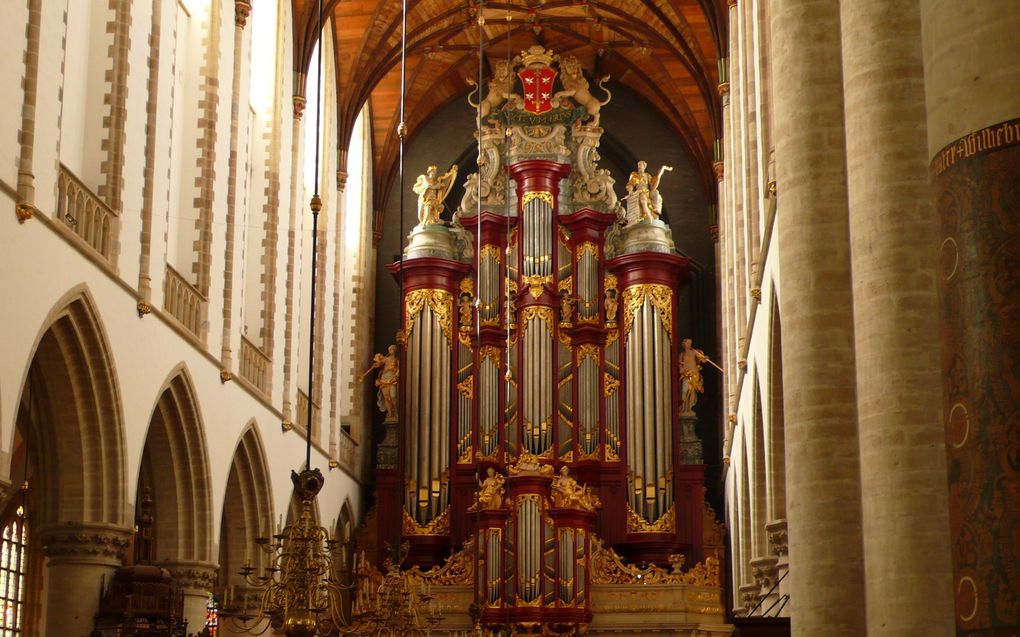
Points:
x=538, y=88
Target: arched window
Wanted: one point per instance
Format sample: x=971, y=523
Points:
x=13, y=569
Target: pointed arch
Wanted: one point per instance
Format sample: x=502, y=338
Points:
x=758, y=478
x=175, y=466
x=247, y=507
x=776, y=451
x=71, y=417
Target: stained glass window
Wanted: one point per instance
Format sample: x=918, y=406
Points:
x=13, y=558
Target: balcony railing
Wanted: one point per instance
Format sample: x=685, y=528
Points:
x=346, y=449
x=183, y=301
x=255, y=365
x=302, y=416
x=85, y=213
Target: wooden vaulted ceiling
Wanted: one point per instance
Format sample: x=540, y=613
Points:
x=665, y=50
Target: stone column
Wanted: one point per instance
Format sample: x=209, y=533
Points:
x=81, y=556
x=776, y=530
x=893, y=254
x=822, y=471
x=971, y=73
x=196, y=580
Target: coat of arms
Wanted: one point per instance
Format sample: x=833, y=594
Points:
x=538, y=88
x=537, y=79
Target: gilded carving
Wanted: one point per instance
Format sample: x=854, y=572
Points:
x=637, y=524
x=587, y=248
x=661, y=298
x=491, y=251
x=542, y=195
x=541, y=312
x=441, y=304
x=568, y=494
x=439, y=526
x=609, y=568
x=529, y=463
x=490, y=491
x=467, y=387
x=588, y=351
x=457, y=570
x=609, y=384
x=535, y=283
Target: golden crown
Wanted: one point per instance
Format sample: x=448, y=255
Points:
x=537, y=56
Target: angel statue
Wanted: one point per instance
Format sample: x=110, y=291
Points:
x=646, y=186
x=432, y=189
x=386, y=381
x=691, y=381
x=490, y=491
x=568, y=494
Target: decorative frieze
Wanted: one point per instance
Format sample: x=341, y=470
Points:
x=82, y=543
x=193, y=576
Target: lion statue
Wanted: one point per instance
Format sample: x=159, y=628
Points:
x=500, y=89
x=577, y=88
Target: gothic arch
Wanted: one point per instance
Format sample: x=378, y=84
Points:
x=247, y=507
x=175, y=466
x=758, y=479
x=776, y=451
x=71, y=418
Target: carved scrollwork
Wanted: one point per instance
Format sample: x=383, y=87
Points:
x=661, y=298
x=457, y=570
x=438, y=526
x=441, y=304
x=637, y=524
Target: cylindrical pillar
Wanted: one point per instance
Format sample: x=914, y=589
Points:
x=823, y=473
x=196, y=580
x=971, y=73
x=81, y=557
x=893, y=238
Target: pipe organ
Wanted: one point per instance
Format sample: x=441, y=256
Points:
x=538, y=381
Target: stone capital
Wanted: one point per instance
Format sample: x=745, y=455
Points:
x=750, y=595
x=776, y=530
x=765, y=571
x=85, y=543
x=193, y=576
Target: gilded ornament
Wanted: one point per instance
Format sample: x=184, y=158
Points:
x=467, y=284
x=528, y=463
x=637, y=524
x=467, y=387
x=441, y=304
x=609, y=568
x=588, y=351
x=661, y=298
x=542, y=195
x=541, y=312
x=457, y=570
x=438, y=526
x=612, y=455
x=587, y=248
x=609, y=384
x=612, y=336
x=535, y=283
x=490, y=251
x=490, y=353
x=465, y=457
